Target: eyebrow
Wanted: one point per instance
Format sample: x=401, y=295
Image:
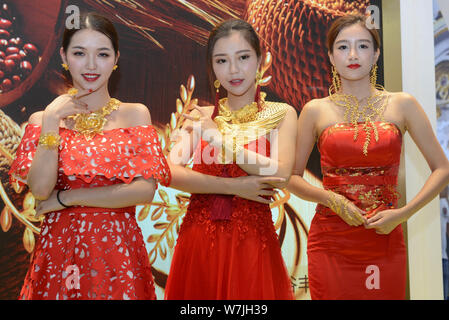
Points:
x=364, y=40
x=99, y=49
x=238, y=52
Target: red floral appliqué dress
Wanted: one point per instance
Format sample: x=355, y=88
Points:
x=103, y=248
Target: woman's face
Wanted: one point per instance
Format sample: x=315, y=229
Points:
x=90, y=57
x=235, y=64
x=353, y=52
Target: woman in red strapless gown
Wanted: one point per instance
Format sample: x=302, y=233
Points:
x=227, y=246
x=341, y=257
x=355, y=245
x=88, y=160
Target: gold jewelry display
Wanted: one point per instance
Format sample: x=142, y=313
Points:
x=373, y=109
x=247, y=124
x=92, y=123
x=246, y=114
x=65, y=66
x=50, y=140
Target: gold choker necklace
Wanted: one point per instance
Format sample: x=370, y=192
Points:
x=90, y=124
x=246, y=114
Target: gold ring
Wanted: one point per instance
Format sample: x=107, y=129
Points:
x=72, y=92
x=196, y=118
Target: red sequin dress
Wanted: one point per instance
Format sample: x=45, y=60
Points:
x=347, y=262
x=87, y=252
x=231, y=258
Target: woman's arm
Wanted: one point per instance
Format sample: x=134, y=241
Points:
x=187, y=180
x=139, y=191
x=281, y=160
x=420, y=129
x=304, y=145
x=43, y=172
x=306, y=137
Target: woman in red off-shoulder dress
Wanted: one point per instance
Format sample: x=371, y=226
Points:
x=88, y=177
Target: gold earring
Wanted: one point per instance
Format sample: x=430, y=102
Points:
x=65, y=67
x=115, y=67
x=217, y=84
x=258, y=77
x=336, y=81
x=373, y=75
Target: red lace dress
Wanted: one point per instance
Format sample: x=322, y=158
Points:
x=348, y=262
x=226, y=258
x=87, y=252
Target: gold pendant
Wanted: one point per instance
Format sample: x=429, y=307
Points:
x=93, y=123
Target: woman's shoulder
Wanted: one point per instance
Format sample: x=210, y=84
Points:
x=400, y=97
x=135, y=114
x=315, y=107
x=36, y=118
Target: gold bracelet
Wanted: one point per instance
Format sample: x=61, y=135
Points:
x=332, y=202
x=50, y=140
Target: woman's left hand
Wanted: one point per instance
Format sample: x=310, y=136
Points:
x=49, y=205
x=203, y=121
x=385, y=221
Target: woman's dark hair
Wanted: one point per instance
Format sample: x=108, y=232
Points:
x=223, y=30
x=346, y=21
x=95, y=22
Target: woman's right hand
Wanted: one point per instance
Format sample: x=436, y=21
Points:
x=66, y=105
x=254, y=187
x=346, y=209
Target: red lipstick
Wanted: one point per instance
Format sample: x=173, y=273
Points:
x=91, y=77
x=354, y=66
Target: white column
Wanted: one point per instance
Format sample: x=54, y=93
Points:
x=418, y=79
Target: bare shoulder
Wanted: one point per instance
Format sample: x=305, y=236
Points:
x=403, y=100
x=36, y=118
x=314, y=107
x=135, y=114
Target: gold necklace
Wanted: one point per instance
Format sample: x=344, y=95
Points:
x=368, y=112
x=243, y=115
x=90, y=124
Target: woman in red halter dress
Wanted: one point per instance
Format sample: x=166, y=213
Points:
x=355, y=245
x=88, y=176
x=227, y=246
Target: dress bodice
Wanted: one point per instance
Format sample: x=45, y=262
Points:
x=369, y=180
x=115, y=156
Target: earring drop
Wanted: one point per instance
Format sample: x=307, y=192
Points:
x=373, y=76
x=217, y=85
x=65, y=66
x=115, y=67
x=336, y=82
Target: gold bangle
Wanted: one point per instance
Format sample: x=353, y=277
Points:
x=50, y=140
x=332, y=202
